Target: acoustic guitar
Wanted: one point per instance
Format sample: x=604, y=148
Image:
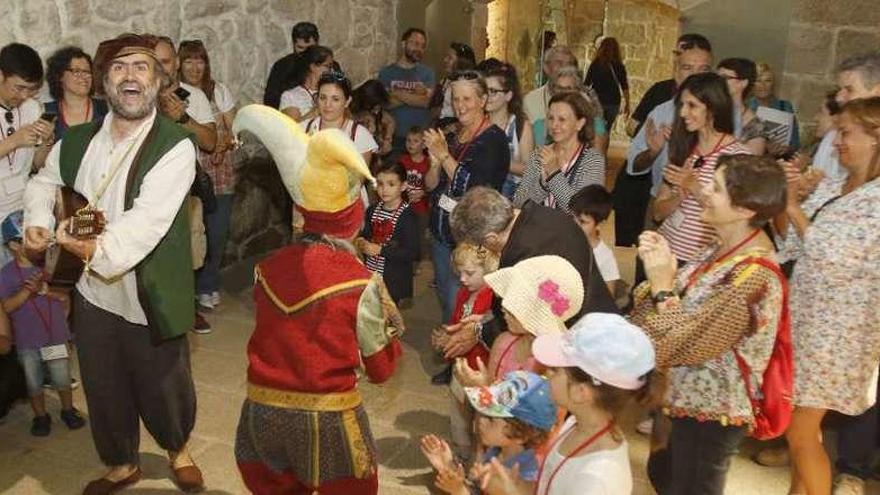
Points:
x=62, y=267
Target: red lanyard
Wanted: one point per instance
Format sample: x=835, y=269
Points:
x=504, y=355
x=705, y=268
x=46, y=325
x=580, y=448
x=483, y=125
x=571, y=161
x=64, y=119
x=714, y=150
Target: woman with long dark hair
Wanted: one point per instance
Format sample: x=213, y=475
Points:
x=740, y=74
x=506, y=111
x=371, y=98
x=71, y=84
x=607, y=75
x=702, y=132
x=300, y=102
x=459, y=57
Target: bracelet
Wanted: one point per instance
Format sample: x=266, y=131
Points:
x=662, y=296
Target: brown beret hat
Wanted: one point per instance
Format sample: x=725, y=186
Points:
x=123, y=45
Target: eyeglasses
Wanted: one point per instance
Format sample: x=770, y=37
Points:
x=9, y=130
x=494, y=91
x=81, y=73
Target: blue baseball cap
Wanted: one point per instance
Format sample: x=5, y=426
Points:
x=13, y=227
x=521, y=394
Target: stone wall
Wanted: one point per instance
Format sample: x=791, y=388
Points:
x=822, y=34
x=243, y=37
x=646, y=31
x=514, y=32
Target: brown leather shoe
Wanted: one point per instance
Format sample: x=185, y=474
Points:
x=103, y=486
x=188, y=478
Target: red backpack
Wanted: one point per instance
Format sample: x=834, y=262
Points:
x=774, y=408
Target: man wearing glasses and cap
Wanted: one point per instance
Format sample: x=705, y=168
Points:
x=22, y=132
x=133, y=306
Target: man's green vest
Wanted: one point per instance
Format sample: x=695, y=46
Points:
x=165, y=279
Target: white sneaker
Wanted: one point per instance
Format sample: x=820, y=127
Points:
x=215, y=298
x=847, y=484
x=206, y=301
x=645, y=427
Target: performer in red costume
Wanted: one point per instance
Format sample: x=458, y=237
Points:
x=320, y=315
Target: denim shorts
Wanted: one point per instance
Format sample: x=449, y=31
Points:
x=59, y=371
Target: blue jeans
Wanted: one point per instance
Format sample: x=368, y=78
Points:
x=857, y=440
x=59, y=371
x=217, y=231
x=444, y=277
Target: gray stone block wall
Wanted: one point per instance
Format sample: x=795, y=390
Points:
x=243, y=38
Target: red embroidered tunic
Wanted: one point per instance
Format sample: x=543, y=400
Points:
x=316, y=321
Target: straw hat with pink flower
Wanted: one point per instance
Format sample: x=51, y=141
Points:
x=541, y=292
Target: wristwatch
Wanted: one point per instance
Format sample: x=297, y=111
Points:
x=662, y=296
x=183, y=118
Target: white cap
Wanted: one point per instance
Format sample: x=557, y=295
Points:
x=605, y=346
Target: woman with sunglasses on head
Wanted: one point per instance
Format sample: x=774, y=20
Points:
x=300, y=102
x=195, y=70
x=740, y=74
x=702, y=132
x=458, y=57
x=70, y=80
x=505, y=109
x=371, y=98
x=334, y=97
x=555, y=172
x=476, y=155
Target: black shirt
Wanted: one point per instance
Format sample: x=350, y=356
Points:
x=658, y=93
x=608, y=80
x=540, y=231
x=281, y=78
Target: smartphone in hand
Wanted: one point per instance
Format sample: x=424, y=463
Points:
x=49, y=117
x=181, y=93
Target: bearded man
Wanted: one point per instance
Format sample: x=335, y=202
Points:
x=134, y=301
x=410, y=84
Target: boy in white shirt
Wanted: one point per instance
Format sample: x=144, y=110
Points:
x=590, y=207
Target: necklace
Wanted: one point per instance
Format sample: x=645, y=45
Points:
x=483, y=124
x=708, y=266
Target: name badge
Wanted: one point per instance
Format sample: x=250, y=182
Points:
x=50, y=352
x=12, y=184
x=446, y=203
x=676, y=219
